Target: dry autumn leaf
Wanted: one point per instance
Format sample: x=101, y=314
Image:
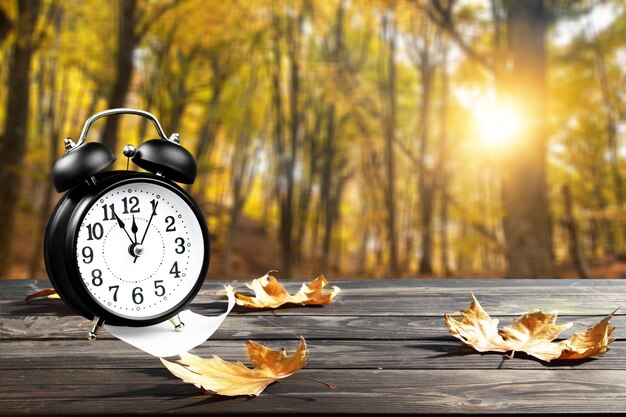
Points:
x=532, y=333
x=268, y=293
x=218, y=376
x=49, y=292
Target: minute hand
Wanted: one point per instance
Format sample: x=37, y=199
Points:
x=149, y=221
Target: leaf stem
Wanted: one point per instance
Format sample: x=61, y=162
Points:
x=330, y=386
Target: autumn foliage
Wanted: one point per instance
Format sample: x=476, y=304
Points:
x=533, y=333
x=269, y=293
x=217, y=376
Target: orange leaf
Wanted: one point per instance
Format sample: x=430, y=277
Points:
x=268, y=293
x=50, y=292
x=591, y=342
x=532, y=333
x=217, y=376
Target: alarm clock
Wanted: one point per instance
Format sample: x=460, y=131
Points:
x=126, y=248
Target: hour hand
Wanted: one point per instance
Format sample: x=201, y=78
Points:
x=119, y=221
x=122, y=226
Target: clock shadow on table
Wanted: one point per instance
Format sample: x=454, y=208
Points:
x=219, y=306
x=50, y=307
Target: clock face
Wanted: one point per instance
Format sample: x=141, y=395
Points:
x=139, y=250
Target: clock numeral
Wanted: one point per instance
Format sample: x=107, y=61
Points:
x=96, y=274
x=157, y=287
x=133, y=202
x=174, y=271
x=137, y=295
x=181, y=245
x=154, y=204
x=114, y=288
x=87, y=254
x=95, y=231
x=170, y=224
x=106, y=208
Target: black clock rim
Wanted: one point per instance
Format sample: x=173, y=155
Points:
x=87, y=306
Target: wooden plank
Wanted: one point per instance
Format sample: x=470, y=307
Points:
x=155, y=391
x=417, y=305
x=244, y=327
x=324, y=354
x=14, y=289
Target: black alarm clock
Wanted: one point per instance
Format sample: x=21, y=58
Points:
x=126, y=248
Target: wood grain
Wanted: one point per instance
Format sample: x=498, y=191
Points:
x=386, y=304
x=155, y=391
x=383, y=343
x=244, y=327
x=340, y=354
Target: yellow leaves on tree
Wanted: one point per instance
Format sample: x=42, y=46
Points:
x=268, y=293
x=217, y=376
x=532, y=333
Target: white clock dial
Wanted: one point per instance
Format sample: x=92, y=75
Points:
x=140, y=250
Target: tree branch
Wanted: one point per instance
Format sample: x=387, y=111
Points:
x=6, y=25
x=144, y=27
x=442, y=16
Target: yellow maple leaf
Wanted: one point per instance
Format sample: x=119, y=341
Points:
x=591, y=342
x=217, y=376
x=49, y=292
x=268, y=293
x=532, y=333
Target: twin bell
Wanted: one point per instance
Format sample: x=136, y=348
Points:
x=164, y=156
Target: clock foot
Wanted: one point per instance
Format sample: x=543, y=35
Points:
x=178, y=325
x=96, y=325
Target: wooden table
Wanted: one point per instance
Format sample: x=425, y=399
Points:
x=383, y=343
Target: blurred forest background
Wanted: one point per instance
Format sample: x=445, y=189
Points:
x=358, y=138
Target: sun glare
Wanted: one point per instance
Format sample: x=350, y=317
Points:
x=497, y=124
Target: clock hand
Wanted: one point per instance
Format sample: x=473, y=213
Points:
x=134, y=229
x=149, y=221
x=122, y=225
x=148, y=226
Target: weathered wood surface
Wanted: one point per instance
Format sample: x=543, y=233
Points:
x=383, y=344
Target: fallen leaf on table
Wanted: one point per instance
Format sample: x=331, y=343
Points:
x=532, y=333
x=218, y=376
x=268, y=293
x=591, y=342
x=49, y=292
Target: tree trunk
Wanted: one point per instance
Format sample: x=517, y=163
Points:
x=52, y=119
x=363, y=251
x=425, y=187
x=574, y=238
x=126, y=43
x=287, y=214
x=13, y=143
x=5, y=25
x=390, y=128
x=524, y=190
x=240, y=170
x=615, y=228
x=442, y=168
x=208, y=132
x=326, y=192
